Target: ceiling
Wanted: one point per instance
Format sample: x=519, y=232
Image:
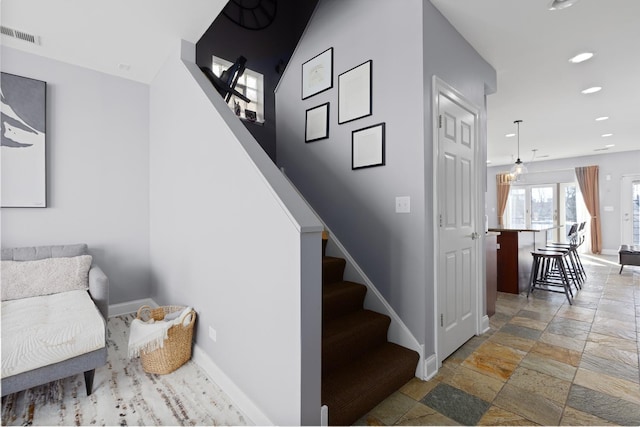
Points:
x=126, y=38
x=528, y=45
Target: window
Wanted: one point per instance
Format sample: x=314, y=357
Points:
x=545, y=205
x=250, y=84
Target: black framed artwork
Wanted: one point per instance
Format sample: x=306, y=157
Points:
x=317, y=123
x=368, y=147
x=23, y=140
x=354, y=93
x=317, y=74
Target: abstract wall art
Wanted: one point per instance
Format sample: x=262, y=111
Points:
x=23, y=142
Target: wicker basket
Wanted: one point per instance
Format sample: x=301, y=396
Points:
x=177, y=347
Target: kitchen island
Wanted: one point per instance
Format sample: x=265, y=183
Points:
x=514, y=254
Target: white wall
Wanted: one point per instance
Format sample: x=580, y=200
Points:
x=97, y=171
x=614, y=166
x=231, y=239
x=407, y=45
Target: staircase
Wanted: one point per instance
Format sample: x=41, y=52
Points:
x=360, y=368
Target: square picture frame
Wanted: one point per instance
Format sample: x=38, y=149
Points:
x=317, y=123
x=317, y=74
x=368, y=147
x=23, y=141
x=354, y=93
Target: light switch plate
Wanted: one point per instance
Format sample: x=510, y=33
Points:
x=403, y=204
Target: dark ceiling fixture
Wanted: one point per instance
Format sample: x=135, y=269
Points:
x=518, y=168
x=251, y=14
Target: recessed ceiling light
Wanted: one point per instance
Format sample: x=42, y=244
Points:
x=593, y=89
x=610, y=145
x=599, y=119
x=581, y=57
x=561, y=4
x=488, y=161
x=510, y=135
x=606, y=135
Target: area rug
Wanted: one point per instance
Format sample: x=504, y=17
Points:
x=123, y=394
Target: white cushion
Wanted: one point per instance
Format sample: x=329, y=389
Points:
x=43, y=330
x=25, y=279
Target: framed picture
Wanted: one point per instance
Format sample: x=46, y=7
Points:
x=317, y=123
x=317, y=74
x=367, y=147
x=23, y=142
x=354, y=93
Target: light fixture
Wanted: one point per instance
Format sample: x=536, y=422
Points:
x=599, y=119
x=561, y=4
x=510, y=135
x=593, y=89
x=610, y=145
x=518, y=168
x=606, y=135
x=581, y=57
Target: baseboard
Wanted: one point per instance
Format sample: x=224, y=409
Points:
x=248, y=408
x=130, y=306
x=485, y=324
x=430, y=367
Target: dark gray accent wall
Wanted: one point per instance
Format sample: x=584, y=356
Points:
x=264, y=50
x=407, y=45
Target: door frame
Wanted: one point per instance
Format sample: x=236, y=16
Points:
x=624, y=192
x=438, y=87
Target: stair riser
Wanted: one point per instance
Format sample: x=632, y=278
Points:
x=341, y=349
x=335, y=306
x=369, y=400
x=332, y=270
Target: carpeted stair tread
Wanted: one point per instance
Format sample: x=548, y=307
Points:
x=351, y=336
x=340, y=298
x=332, y=269
x=354, y=389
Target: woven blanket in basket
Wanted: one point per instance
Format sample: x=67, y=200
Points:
x=150, y=335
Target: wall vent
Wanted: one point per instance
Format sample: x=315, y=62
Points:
x=21, y=35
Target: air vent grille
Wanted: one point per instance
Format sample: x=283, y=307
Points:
x=20, y=35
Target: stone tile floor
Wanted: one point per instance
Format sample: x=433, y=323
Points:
x=543, y=362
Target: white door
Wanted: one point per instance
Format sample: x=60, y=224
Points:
x=630, y=209
x=458, y=237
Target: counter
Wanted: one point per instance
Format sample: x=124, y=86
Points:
x=514, y=254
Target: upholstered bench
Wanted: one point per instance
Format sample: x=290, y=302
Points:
x=629, y=255
x=55, y=306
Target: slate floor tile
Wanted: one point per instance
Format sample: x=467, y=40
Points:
x=456, y=404
x=604, y=406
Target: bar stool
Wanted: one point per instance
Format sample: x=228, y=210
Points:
x=541, y=278
x=572, y=269
x=576, y=239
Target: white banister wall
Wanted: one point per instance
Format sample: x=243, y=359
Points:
x=231, y=238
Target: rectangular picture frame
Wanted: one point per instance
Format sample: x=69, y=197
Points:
x=317, y=74
x=368, y=147
x=317, y=123
x=23, y=142
x=354, y=93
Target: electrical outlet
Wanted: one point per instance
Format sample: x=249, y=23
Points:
x=403, y=204
x=213, y=334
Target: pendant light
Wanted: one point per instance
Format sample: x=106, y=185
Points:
x=518, y=168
